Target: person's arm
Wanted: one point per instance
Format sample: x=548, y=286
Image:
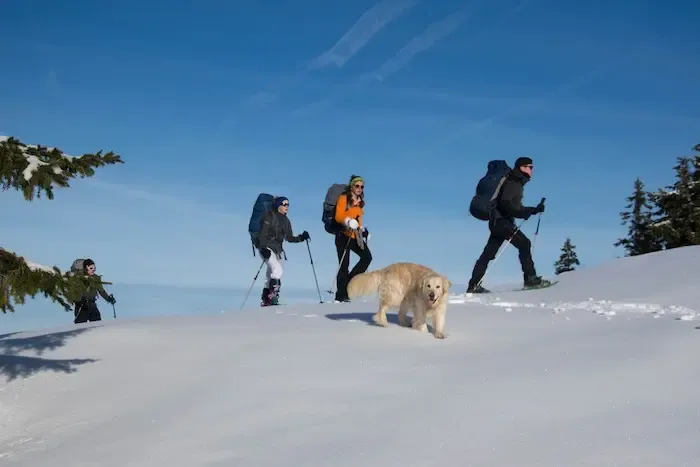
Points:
x=265, y=230
x=510, y=202
x=103, y=293
x=344, y=215
x=291, y=238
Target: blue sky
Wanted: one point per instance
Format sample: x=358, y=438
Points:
x=212, y=102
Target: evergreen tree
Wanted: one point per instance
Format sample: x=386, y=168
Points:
x=568, y=258
x=36, y=171
x=641, y=237
x=678, y=205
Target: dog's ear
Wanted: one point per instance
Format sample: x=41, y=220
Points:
x=446, y=283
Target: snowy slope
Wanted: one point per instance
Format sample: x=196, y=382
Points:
x=523, y=379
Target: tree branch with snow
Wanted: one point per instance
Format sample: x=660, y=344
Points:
x=35, y=171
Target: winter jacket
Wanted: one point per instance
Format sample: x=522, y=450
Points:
x=342, y=211
x=276, y=228
x=509, y=203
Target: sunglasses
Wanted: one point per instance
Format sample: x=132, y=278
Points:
x=285, y=204
x=362, y=187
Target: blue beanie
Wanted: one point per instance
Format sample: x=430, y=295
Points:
x=278, y=202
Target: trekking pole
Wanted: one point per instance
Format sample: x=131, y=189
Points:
x=313, y=268
x=499, y=254
x=251, y=285
x=537, y=230
x=114, y=311
x=333, y=284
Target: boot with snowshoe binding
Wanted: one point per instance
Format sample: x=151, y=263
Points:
x=535, y=282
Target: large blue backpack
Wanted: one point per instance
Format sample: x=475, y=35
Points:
x=262, y=204
x=487, y=189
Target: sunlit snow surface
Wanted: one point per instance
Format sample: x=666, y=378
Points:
x=599, y=370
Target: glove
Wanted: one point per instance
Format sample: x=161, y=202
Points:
x=265, y=253
x=111, y=299
x=351, y=223
x=365, y=233
x=539, y=208
x=304, y=236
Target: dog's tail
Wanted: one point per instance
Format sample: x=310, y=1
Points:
x=364, y=284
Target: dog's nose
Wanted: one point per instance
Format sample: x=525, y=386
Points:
x=431, y=295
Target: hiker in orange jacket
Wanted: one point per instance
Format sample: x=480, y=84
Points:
x=349, y=212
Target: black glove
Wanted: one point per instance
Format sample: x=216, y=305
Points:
x=265, y=253
x=111, y=299
x=539, y=208
x=365, y=233
x=304, y=236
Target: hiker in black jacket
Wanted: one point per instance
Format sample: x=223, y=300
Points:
x=509, y=207
x=86, y=308
x=276, y=228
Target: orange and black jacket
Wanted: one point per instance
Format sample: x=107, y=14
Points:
x=342, y=211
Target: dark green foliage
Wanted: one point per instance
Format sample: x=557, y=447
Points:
x=641, y=237
x=568, y=258
x=678, y=205
x=37, y=170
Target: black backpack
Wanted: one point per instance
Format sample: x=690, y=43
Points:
x=488, y=188
x=328, y=216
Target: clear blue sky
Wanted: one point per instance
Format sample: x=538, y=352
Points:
x=211, y=102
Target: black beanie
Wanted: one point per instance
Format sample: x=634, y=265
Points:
x=88, y=262
x=521, y=161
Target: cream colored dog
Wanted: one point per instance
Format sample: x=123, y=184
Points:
x=411, y=287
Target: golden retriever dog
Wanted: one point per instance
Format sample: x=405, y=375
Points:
x=410, y=287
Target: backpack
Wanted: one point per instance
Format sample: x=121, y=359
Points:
x=328, y=216
x=488, y=188
x=77, y=266
x=262, y=204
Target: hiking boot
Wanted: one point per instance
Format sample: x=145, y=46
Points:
x=275, y=285
x=536, y=282
x=471, y=288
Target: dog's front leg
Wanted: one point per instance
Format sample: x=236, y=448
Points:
x=419, y=323
x=439, y=323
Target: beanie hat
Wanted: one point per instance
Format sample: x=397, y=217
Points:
x=521, y=161
x=88, y=262
x=278, y=202
x=354, y=179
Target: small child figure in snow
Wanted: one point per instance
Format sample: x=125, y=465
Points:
x=86, y=308
x=276, y=228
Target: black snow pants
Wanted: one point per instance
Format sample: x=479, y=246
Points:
x=86, y=310
x=344, y=277
x=501, y=231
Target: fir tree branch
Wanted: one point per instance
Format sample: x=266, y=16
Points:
x=20, y=278
x=36, y=170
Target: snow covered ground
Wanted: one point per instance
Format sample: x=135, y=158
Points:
x=600, y=370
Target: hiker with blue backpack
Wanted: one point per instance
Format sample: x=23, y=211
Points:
x=498, y=200
x=342, y=217
x=274, y=228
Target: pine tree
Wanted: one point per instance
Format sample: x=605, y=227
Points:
x=568, y=258
x=641, y=237
x=35, y=171
x=678, y=205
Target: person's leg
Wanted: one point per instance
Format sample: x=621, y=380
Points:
x=365, y=259
x=487, y=255
x=80, y=312
x=342, y=248
x=265, y=295
x=275, y=282
x=523, y=244
x=94, y=312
